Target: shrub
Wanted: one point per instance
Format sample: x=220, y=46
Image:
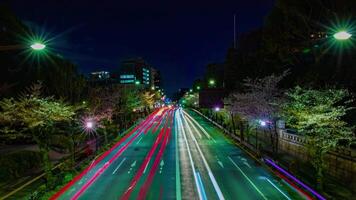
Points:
x=16, y=164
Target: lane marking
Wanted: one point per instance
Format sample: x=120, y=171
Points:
x=221, y=164
x=190, y=157
x=210, y=173
x=139, y=140
x=122, y=161
x=144, y=171
x=277, y=188
x=161, y=166
x=248, y=179
x=132, y=165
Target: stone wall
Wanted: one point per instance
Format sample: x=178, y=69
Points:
x=341, y=163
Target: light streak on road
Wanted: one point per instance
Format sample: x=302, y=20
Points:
x=294, y=178
x=201, y=186
x=199, y=126
x=210, y=173
x=138, y=175
x=195, y=128
x=277, y=188
x=148, y=182
x=248, y=179
x=156, y=162
x=148, y=158
x=85, y=171
x=178, y=183
x=102, y=169
x=179, y=120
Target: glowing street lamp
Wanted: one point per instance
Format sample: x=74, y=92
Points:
x=153, y=88
x=137, y=82
x=212, y=82
x=217, y=109
x=89, y=125
x=263, y=123
x=342, y=35
x=191, y=90
x=38, y=46
x=198, y=87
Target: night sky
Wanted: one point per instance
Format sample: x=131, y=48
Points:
x=177, y=37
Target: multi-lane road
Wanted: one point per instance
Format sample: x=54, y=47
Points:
x=176, y=154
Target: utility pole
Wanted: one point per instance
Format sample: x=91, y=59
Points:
x=235, y=31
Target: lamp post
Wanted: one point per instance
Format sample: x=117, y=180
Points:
x=89, y=126
x=262, y=123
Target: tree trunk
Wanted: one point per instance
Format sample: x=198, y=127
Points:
x=47, y=166
x=320, y=179
x=277, y=136
x=242, y=129
x=73, y=152
x=271, y=138
x=233, y=123
x=105, y=136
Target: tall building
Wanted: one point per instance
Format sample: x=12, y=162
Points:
x=156, y=81
x=99, y=76
x=137, y=71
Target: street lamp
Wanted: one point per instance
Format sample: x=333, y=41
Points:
x=342, y=35
x=217, y=109
x=263, y=123
x=89, y=125
x=38, y=46
x=153, y=88
x=212, y=82
x=137, y=82
x=198, y=87
x=191, y=90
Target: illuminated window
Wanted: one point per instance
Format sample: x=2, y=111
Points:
x=127, y=76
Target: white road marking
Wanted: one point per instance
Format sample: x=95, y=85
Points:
x=139, y=140
x=123, y=160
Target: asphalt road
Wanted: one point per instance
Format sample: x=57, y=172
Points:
x=176, y=154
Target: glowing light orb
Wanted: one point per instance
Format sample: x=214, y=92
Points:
x=89, y=125
x=217, y=109
x=212, y=82
x=342, y=35
x=38, y=46
x=263, y=123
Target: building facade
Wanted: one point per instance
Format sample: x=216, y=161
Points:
x=137, y=71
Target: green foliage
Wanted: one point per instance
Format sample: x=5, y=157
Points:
x=15, y=164
x=318, y=115
x=36, y=116
x=191, y=99
x=30, y=112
